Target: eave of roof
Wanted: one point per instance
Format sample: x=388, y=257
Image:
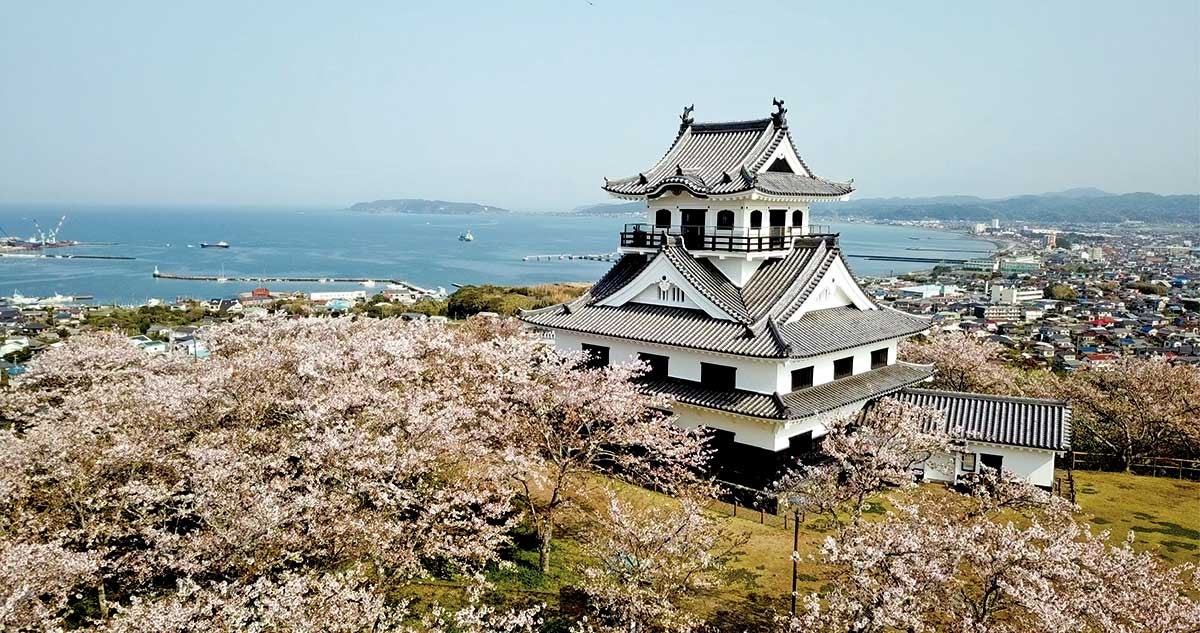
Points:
x=797, y=404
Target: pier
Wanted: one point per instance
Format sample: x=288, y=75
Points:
x=272, y=279
x=919, y=260
x=596, y=257
x=63, y=256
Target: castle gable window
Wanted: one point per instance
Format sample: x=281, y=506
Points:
x=781, y=166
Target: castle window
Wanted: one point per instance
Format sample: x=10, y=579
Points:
x=716, y=376
x=802, y=378
x=725, y=220
x=658, y=365
x=843, y=367
x=756, y=219
x=597, y=355
x=797, y=218
x=879, y=358
x=781, y=166
x=662, y=218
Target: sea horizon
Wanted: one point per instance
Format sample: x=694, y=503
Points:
x=324, y=243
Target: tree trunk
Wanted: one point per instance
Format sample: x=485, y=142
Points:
x=102, y=600
x=544, y=536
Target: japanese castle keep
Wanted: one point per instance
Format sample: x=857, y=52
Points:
x=746, y=314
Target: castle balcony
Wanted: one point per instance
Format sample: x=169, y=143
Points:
x=733, y=239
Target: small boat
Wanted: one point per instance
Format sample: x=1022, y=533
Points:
x=221, y=244
x=466, y=237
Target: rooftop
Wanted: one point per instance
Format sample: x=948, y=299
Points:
x=728, y=158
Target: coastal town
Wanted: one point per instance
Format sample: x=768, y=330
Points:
x=1066, y=298
x=1061, y=298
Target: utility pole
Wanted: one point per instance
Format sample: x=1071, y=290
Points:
x=795, y=562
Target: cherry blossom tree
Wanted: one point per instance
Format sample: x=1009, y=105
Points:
x=866, y=453
x=300, y=447
x=649, y=562
x=1137, y=407
x=961, y=362
x=567, y=424
x=941, y=567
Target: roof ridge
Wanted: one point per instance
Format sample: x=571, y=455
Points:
x=989, y=396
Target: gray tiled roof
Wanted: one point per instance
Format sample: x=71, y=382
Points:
x=836, y=329
x=778, y=285
x=722, y=158
x=1029, y=422
x=857, y=388
x=707, y=279
x=798, y=404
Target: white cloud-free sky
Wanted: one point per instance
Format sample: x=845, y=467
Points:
x=530, y=104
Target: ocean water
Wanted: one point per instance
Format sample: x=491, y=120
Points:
x=421, y=249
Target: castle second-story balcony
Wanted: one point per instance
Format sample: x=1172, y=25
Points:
x=732, y=239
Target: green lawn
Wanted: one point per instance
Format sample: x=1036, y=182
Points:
x=1165, y=514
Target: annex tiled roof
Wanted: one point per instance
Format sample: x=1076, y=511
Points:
x=1028, y=422
x=798, y=404
x=723, y=158
x=707, y=279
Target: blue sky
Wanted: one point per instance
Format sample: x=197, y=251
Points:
x=530, y=104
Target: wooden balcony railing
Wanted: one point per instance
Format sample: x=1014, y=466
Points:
x=711, y=238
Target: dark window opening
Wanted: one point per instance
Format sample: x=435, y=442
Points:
x=658, y=365
x=597, y=355
x=662, y=218
x=879, y=358
x=756, y=219
x=797, y=218
x=718, y=376
x=843, y=367
x=778, y=217
x=800, y=444
x=781, y=166
x=802, y=378
x=725, y=219
x=692, y=226
x=993, y=462
x=968, y=462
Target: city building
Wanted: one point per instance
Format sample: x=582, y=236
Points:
x=1014, y=295
x=999, y=312
x=745, y=314
x=1028, y=264
x=982, y=265
x=927, y=291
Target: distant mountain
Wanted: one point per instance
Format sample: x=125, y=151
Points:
x=1072, y=205
x=612, y=208
x=416, y=205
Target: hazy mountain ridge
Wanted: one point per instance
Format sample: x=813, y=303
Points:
x=421, y=206
x=611, y=208
x=1072, y=205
